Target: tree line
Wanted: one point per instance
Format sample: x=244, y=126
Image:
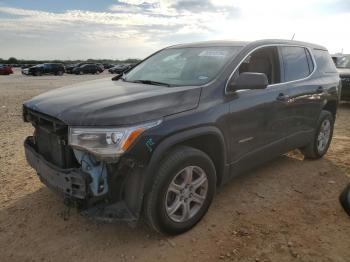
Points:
x=13, y=60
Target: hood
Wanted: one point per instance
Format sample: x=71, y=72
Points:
x=344, y=71
x=105, y=102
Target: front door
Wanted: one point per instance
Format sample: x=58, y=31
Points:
x=258, y=118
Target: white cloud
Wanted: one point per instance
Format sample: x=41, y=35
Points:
x=137, y=27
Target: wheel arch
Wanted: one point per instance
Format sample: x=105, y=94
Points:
x=331, y=106
x=213, y=145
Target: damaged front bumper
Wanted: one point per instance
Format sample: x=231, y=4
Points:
x=73, y=184
x=66, y=182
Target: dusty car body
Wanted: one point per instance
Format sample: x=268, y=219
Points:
x=159, y=140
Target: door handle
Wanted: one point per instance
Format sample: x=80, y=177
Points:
x=283, y=98
x=320, y=90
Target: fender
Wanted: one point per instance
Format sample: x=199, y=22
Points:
x=177, y=138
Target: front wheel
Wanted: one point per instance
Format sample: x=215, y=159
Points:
x=182, y=192
x=322, y=138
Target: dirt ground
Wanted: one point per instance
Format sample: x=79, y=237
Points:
x=286, y=210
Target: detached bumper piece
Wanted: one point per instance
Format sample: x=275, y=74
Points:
x=66, y=182
x=111, y=212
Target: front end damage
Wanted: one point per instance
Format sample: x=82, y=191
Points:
x=105, y=191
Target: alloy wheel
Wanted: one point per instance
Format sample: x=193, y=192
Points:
x=186, y=193
x=323, y=135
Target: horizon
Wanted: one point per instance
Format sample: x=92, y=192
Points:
x=124, y=29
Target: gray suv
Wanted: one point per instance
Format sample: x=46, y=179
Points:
x=160, y=139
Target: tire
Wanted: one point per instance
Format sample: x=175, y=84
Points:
x=344, y=199
x=60, y=73
x=174, y=167
x=314, y=150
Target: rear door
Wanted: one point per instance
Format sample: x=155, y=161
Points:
x=305, y=93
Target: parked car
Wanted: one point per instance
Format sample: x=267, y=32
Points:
x=44, y=69
x=342, y=63
x=101, y=67
x=5, y=70
x=108, y=66
x=159, y=141
x=70, y=68
x=118, y=69
x=87, y=69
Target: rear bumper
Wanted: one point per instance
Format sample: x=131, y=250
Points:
x=66, y=182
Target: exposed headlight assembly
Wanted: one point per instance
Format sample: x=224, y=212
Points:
x=106, y=143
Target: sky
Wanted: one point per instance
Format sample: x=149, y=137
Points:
x=120, y=29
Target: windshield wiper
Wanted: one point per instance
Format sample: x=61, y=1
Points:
x=150, y=82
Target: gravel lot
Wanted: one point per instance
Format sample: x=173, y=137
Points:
x=286, y=210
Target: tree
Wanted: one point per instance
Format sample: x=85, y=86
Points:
x=12, y=60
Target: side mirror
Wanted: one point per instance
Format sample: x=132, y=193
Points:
x=248, y=80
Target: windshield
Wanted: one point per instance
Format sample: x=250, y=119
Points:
x=183, y=66
x=343, y=62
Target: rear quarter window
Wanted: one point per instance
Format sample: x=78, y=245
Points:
x=324, y=61
x=296, y=64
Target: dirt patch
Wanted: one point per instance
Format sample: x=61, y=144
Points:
x=286, y=210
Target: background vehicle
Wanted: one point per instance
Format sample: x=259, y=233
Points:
x=43, y=69
x=87, y=69
x=118, y=69
x=159, y=140
x=102, y=68
x=342, y=63
x=70, y=68
x=108, y=66
x=5, y=70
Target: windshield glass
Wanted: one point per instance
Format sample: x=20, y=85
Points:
x=343, y=62
x=183, y=66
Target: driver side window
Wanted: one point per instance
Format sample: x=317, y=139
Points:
x=264, y=60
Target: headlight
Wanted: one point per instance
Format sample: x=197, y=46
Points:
x=106, y=142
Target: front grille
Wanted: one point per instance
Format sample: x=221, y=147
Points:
x=345, y=81
x=50, y=138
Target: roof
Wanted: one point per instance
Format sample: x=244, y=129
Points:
x=246, y=43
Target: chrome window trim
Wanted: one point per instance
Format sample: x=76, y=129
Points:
x=272, y=85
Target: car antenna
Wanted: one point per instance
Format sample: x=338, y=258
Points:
x=293, y=36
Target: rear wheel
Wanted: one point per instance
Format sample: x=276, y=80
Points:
x=322, y=138
x=182, y=192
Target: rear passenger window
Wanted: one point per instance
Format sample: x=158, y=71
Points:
x=296, y=63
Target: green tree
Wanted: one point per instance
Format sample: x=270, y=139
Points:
x=12, y=60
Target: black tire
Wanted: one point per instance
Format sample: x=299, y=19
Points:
x=344, y=199
x=155, y=205
x=60, y=73
x=311, y=151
